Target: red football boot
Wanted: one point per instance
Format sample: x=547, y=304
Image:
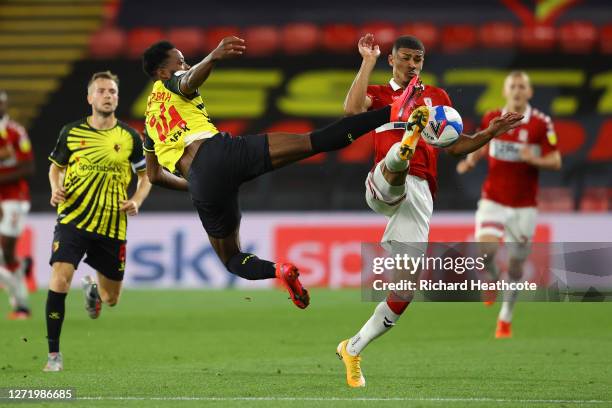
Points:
x=288, y=275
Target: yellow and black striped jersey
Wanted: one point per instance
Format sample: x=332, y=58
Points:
x=99, y=165
x=174, y=120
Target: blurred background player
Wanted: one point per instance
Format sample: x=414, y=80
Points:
x=402, y=190
x=180, y=137
x=98, y=155
x=508, y=208
x=16, y=165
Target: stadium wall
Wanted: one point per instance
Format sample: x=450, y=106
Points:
x=170, y=250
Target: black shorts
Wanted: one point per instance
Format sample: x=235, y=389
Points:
x=220, y=166
x=106, y=255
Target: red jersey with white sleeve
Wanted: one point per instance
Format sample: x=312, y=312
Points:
x=424, y=163
x=510, y=181
x=15, y=147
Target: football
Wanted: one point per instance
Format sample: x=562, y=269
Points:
x=444, y=125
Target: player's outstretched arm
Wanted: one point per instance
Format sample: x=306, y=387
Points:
x=229, y=47
x=498, y=126
x=162, y=177
x=143, y=187
x=357, y=100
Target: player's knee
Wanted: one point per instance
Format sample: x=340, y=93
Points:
x=60, y=281
x=109, y=298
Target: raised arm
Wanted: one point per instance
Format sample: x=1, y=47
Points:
x=162, y=177
x=498, y=126
x=356, y=100
x=228, y=47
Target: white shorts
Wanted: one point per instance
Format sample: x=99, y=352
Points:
x=14, y=213
x=511, y=224
x=408, y=214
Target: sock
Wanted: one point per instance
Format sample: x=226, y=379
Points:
x=505, y=314
x=348, y=129
x=381, y=321
x=55, y=317
x=250, y=267
x=393, y=161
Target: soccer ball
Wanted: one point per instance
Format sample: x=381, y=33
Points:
x=444, y=126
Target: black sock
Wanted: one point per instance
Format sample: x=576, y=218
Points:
x=55, y=317
x=343, y=132
x=250, y=267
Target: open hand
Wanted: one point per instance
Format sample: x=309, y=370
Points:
x=229, y=47
x=504, y=123
x=367, y=48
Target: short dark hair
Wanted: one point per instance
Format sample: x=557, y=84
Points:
x=155, y=56
x=105, y=75
x=408, y=41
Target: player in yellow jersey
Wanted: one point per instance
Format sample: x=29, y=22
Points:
x=184, y=151
x=91, y=168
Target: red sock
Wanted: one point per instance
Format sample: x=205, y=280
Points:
x=396, y=304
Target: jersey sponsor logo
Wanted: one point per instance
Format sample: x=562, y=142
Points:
x=510, y=151
x=523, y=135
x=84, y=167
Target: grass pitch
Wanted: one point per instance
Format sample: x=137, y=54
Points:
x=254, y=348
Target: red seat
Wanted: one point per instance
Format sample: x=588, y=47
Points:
x=595, y=199
x=426, y=32
x=213, y=36
x=385, y=34
x=261, y=40
x=605, y=39
x=189, y=40
x=458, y=37
x=299, y=38
x=497, y=34
x=537, y=38
x=107, y=43
x=555, y=199
x=140, y=39
x=578, y=37
x=341, y=38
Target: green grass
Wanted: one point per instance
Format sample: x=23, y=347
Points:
x=235, y=344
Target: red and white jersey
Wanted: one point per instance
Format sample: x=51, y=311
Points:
x=511, y=181
x=15, y=147
x=424, y=163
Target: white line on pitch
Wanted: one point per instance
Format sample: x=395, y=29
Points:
x=373, y=399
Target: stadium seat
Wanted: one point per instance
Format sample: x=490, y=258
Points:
x=579, y=37
x=299, y=38
x=595, y=199
x=537, y=38
x=340, y=38
x=140, y=39
x=107, y=43
x=555, y=199
x=189, y=40
x=426, y=32
x=213, y=36
x=498, y=34
x=385, y=34
x=605, y=39
x=261, y=40
x=458, y=37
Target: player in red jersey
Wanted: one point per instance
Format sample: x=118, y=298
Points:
x=16, y=164
x=402, y=190
x=507, y=209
